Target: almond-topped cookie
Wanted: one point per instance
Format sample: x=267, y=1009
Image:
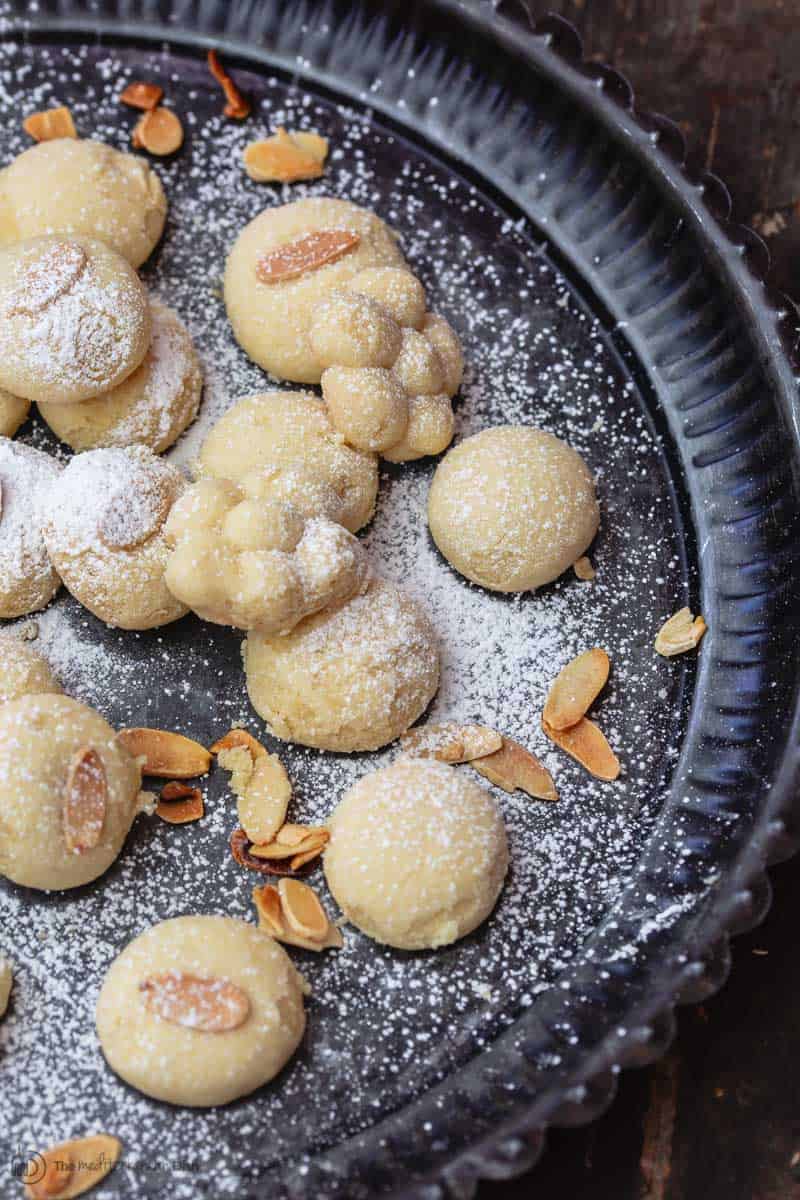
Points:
x=69, y=792
x=104, y=530
x=28, y=579
x=84, y=189
x=74, y=319
x=200, y=1010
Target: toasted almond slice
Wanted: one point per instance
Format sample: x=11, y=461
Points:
x=241, y=848
x=165, y=754
x=210, y=1005
x=451, y=742
x=305, y=255
x=292, y=835
x=680, y=633
x=178, y=804
x=239, y=737
x=235, y=104
x=307, y=855
x=158, y=131
x=303, y=912
x=142, y=95
x=275, y=850
x=72, y=1168
x=512, y=767
x=53, y=123
x=586, y=743
x=575, y=688
x=85, y=801
x=272, y=919
x=263, y=790
x=286, y=158
x=6, y=983
x=584, y=570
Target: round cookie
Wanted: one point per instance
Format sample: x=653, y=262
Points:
x=512, y=508
x=253, y=563
x=23, y=672
x=28, y=580
x=353, y=677
x=417, y=854
x=85, y=189
x=152, y=407
x=74, y=319
x=288, y=436
x=69, y=791
x=13, y=413
x=271, y=321
x=200, y=1010
x=104, y=530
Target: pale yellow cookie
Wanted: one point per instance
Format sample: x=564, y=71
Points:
x=85, y=189
x=512, y=508
x=152, y=407
x=28, y=579
x=104, y=530
x=200, y=1010
x=353, y=677
x=289, y=438
x=23, y=671
x=272, y=320
x=69, y=791
x=74, y=319
x=417, y=854
x=13, y=413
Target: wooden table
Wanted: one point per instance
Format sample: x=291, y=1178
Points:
x=719, y=1117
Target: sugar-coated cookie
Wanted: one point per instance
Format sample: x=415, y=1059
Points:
x=28, y=580
x=417, y=854
x=288, y=437
x=200, y=1010
x=74, y=319
x=152, y=407
x=23, y=671
x=512, y=508
x=280, y=266
x=69, y=791
x=13, y=413
x=353, y=677
x=84, y=189
x=104, y=530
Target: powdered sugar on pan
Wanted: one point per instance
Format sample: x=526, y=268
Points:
x=384, y=1026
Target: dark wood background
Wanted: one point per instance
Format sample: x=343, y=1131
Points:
x=719, y=1117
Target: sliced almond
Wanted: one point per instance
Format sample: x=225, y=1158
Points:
x=129, y=521
x=303, y=912
x=584, y=570
x=451, y=742
x=167, y=755
x=263, y=790
x=512, y=767
x=178, y=804
x=293, y=835
x=239, y=737
x=50, y=124
x=303, y=857
x=286, y=157
x=72, y=1168
x=85, y=801
x=314, y=843
x=305, y=255
x=145, y=96
x=586, y=743
x=236, y=105
x=158, y=131
x=272, y=918
x=53, y=273
x=680, y=633
x=575, y=688
x=242, y=851
x=209, y=1005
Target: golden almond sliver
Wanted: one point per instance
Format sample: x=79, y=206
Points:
x=575, y=688
x=680, y=633
x=286, y=157
x=208, y=1005
x=264, y=800
x=158, y=131
x=306, y=254
x=302, y=909
x=239, y=737
x=584, y=570
x=312, y=844
x=451, y=741
x=179, y=804
x=166, y=755
x=292, y=835
x=513, y=766
x=587, y=744
x=50, y=124
x=85, y=801
x=72, y=1168
x=272, y=919
x=306, y=856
